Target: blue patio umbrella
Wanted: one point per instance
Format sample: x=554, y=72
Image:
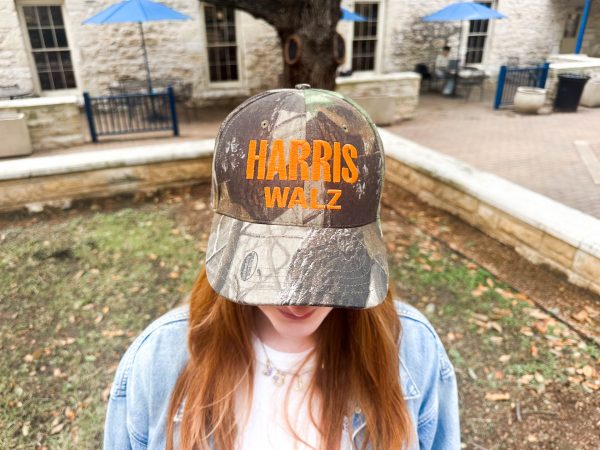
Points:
x=352, y=16
x=463, y=11
x=140, y=11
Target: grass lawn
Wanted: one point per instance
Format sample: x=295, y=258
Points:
x=76, y=287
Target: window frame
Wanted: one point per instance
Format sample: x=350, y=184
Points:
x=378, y=38
x=487, y=37
x=239, y=53
x=35, y=78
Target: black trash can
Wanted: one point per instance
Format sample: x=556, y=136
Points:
x=569, y=90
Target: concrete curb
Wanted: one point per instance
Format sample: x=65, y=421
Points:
x=104, y=159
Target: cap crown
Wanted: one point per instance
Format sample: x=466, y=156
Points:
x=303, y=157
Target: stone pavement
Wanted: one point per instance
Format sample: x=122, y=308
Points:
x=554, y=154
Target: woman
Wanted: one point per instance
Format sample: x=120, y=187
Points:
x=293, y=338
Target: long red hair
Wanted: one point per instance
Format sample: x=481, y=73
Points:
x=357, y=351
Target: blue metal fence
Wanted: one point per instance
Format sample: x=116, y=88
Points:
x=131, y=113
x=511, y=78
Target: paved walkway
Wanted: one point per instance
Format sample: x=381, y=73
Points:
x=554, y=154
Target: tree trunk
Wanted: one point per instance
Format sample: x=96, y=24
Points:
x=313, y=22
x=316, y=65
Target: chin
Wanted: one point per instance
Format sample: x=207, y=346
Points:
x=296, y=322
x=297, y=330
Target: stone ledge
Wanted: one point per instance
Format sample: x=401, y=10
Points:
x=61, y=189
x=57, y=180
x=36, y=102
x=366, y=77
x=541, y=229
x=103, y=159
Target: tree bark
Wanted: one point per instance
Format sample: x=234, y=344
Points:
x=313, y=21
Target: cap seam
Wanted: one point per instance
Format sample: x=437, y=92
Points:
x=377, y=218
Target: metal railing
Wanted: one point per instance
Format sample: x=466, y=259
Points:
x=131, y=113
x=511, y=78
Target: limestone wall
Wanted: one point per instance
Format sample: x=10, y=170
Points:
x=408, y=40
x=104, y=53
x=263, y=59
x=591, y=39
x=14, y=66
x=53, y=122
x=532, y=31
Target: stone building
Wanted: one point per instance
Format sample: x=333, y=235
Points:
x=228, y=54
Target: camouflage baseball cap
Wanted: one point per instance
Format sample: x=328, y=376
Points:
x=296, y=183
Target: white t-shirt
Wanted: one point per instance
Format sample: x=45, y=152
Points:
x=442, y=62
x=266, y=427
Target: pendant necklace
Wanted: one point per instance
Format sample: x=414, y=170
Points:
x=278, y=376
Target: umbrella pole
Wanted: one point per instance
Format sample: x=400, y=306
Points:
x=154, y=116
x=148, y=79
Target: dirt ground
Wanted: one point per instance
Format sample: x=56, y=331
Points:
x=524, y=359
x=77, y=286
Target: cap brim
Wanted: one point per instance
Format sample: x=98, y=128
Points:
x=260, y=264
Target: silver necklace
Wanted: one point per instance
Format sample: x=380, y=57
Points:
x=278, y=376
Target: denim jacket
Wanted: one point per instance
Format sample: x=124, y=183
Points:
x=140, y=394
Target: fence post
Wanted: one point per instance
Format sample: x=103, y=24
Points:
x=544, y=76
x=500, y=87
x=171, y=94
x=90, y=116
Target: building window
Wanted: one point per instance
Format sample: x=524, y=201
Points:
x=49, y=46
x=221, y=43
x=364, y=43
x=478, y=30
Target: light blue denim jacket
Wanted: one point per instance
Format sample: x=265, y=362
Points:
x=139, y=398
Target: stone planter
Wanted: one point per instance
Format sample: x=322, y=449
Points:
x=381, y=108
x=15, y=135
x=53, y=122
x=529, y=100
x=370, y=91
x=591, y=93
